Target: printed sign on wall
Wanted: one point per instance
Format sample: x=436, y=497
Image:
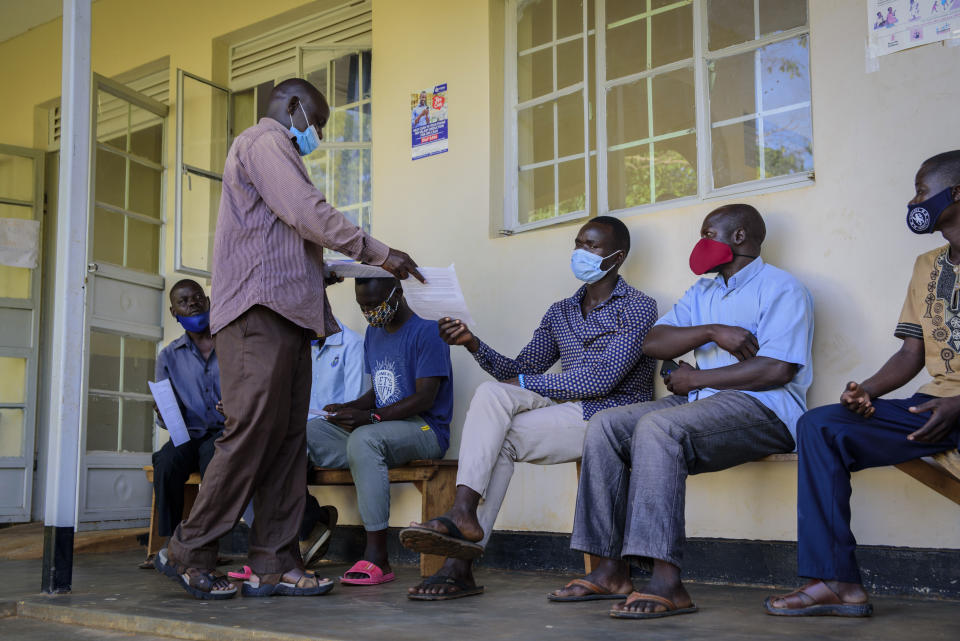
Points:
x=428, y=121
x=895, y=25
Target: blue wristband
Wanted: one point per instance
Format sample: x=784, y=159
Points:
x=520, y=378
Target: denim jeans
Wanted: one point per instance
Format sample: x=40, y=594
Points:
x=369, y=451
x=636, y=460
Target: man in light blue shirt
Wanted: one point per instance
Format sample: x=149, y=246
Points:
x=751, y=331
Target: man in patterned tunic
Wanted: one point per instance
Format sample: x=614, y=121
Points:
x=864, y=430
x=751, y=330
x=535, y=417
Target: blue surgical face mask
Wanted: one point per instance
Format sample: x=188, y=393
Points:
x=197, y=323
x=307, y=140
x=586, y=266
x=922, y=217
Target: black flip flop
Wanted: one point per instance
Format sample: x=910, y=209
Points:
x=453, y=544
x=462, y=589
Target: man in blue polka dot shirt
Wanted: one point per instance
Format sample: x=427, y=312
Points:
x=537, y=417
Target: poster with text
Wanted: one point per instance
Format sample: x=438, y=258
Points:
x=895, y=25
x=428, y=121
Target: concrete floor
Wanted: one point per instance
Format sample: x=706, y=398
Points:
x=110, y=592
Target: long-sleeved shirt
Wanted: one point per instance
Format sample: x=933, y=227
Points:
x=196, y=384
x=602, y=363
x=271, y=230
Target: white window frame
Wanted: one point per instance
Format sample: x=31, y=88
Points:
x=703, y=127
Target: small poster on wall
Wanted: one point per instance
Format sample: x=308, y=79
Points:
x=428, y=121
x=895, y=25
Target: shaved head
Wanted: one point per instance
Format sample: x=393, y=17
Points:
x=943, y=169
x=289, y=96
x=740, y=216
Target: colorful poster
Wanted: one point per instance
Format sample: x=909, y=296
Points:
x=895, y=25
x=428, y=121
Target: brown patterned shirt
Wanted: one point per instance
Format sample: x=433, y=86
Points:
x=931, y=312
x=271, y=230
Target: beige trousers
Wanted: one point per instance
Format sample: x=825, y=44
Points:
x=506, y=424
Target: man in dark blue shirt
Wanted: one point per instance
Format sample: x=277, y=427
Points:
x=190, y=363
x=405, y=416
x=537, y=417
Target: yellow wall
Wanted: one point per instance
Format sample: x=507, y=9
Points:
x=844, y=236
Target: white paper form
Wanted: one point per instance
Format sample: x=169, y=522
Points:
x=353, y=269
x=170, y=411
x=440, y=297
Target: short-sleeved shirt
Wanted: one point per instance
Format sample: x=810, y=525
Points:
x=196, y=384
x=931, y=312
x=601, y=354
x=772, y=305
x=337, y=369
x=395, y=362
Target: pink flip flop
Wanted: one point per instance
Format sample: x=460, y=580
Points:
x=375, y=575
x=243, y=576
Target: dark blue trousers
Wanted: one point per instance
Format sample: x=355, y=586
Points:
x=832, y=441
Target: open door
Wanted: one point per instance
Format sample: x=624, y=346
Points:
x=125, y=302
x=21, y=198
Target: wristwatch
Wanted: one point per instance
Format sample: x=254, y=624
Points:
x=375, y=418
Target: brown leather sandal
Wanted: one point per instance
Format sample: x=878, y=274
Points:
x=671, y=607
x=816, y=599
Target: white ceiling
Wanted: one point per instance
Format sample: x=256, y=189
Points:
x=18, y=16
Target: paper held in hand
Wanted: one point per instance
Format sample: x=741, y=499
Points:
x=170, y=411
x=440, y=297
x=353, y=269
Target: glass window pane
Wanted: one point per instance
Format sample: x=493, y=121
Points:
x=675, y=168
x=13, y=373
x=111, y=178
x=15, y=282
x=534, y=23
x=316, y=164
x=204, y=125
x=535, y=134
x=345, y=125
x=729, y=22
x=113, y=120
x=732, y=91
x=366, y=184
x=366, y=217
x=137, y=434
x=621, y=9
x=736, y=156
x=534, y=74
x=148, y=143
x=627, y=119
x=11, y=432
x=785, y=73
x=263, y=98
x=628, y=177
x=145, y=190
x=199, y=207
x=569, y=63
x=788, y=143
x=536, y=195
x=103, y=420
x=244, y=110
x=346, y=86
x=143, y=246
x=674, y=102
x=346, y=177
x=367, y=134
x=672, y=36
x=104, y=361
x=780, y=15
x=107, y=236
x=570, y=125
x=139, y=362
x=572, y=183
x=365, y=64
x=627, y=49
x=16, y=177
x=569, y=17
x=318, y=78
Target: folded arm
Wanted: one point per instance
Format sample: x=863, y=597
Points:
x=753, y=375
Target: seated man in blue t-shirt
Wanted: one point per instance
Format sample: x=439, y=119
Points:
x=406, y=416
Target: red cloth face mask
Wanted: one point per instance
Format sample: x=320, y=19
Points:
x=709, y=253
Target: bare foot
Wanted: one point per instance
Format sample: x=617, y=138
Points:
x=458, y=569
x=610, y=574
x=465, y=520
x=675, y=592
x=809, y=595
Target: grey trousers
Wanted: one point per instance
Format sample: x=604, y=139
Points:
x=636, y=459
x=369, y=451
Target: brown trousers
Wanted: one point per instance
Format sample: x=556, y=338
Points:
x=265, y=376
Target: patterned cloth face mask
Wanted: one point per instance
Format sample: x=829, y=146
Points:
x=383, y=313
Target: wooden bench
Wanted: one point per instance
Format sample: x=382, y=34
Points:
x=435, y=479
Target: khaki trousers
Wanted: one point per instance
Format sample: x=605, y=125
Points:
x=506, y=424
x=265, y=376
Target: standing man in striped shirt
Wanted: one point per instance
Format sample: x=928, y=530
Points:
x=268, y=303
